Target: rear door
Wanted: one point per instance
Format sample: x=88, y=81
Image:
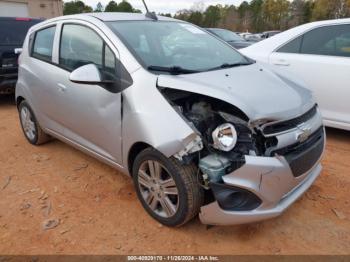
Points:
x=38, y=73
x=321, y=57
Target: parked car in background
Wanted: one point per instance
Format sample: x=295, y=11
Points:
x=230, y=37
x=318, y=53
x=12, y=33
x=200, y=128
x=253, y=38
x=269, y=34
x=245, y=35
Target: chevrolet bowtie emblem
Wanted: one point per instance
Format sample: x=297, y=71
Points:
x=304, y=135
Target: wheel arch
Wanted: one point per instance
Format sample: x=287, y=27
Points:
x=19, y=100
x=135, y=149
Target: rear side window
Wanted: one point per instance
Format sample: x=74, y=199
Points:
x=292, y=47
x=328, y=40
x=43, y=44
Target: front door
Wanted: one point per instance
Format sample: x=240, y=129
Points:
x=91, y=114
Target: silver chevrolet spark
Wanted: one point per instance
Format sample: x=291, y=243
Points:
x=200, y=128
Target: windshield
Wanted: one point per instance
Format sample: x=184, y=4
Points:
x=227, y=35
x=175, y=45
x=13, y=32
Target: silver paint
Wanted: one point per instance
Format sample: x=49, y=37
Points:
x=107, y=125
x=212, y=214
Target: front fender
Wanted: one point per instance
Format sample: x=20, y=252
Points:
x=149, y=118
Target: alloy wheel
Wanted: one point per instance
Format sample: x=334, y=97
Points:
x=28, y=123
x=158, y=189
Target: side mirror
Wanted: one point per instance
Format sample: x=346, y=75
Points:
x=87, y=74
x=91, y=75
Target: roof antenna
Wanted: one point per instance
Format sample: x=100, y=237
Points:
x=151, y=15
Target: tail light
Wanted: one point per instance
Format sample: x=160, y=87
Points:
x=23, y=19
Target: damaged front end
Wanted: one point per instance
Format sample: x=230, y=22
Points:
x=250, y=170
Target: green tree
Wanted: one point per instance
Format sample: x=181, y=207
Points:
x=245, y=16
x=276, y=13
x=76, y=7
x=165, y=14
x=196, y=18
x=298, y=12
x=183, y=14
x=212, y=16
x=257, y=23
x=324, y=9
x=231, y=19
x=112, y=6
x=262, y=15
x=125, y=7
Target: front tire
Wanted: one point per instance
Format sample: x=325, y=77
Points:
x=30, y=126
x=167, y=189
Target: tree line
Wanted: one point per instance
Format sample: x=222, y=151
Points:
x=252, y=16
x=77, y=7
x=263, y=15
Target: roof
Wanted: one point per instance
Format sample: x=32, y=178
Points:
x=106, y=16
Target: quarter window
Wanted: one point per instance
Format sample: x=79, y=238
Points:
x=109, y=59
x=329, y=40
x=292, y=47
x=43, y=44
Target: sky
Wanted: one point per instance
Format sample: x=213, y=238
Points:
x=166, y=6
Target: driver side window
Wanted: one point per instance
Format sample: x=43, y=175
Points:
x=81, y=45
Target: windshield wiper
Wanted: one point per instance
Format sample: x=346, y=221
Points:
x=174, y=70
x=227, y=65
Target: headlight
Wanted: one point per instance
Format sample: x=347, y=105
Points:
x=225, y=137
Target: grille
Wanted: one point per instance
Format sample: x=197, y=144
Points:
x=290, y=124
x=303, y=156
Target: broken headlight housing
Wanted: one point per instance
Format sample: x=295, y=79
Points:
x=225, y=137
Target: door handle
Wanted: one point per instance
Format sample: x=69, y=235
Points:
x=281, y=62
x=62, y=87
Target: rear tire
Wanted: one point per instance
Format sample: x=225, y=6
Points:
x=30, y=126
x=171, y=195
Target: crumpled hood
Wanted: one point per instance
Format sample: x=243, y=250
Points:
x=255, y=89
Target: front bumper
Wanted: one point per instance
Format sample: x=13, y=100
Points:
x=278, y=179
x=274, y=180
x=271, y=189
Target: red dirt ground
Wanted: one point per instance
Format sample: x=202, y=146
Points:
x=99, y=213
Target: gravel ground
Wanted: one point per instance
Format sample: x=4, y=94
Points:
x=56, y=200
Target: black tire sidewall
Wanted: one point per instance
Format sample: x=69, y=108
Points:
x=183, y=209
x=21, y=106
